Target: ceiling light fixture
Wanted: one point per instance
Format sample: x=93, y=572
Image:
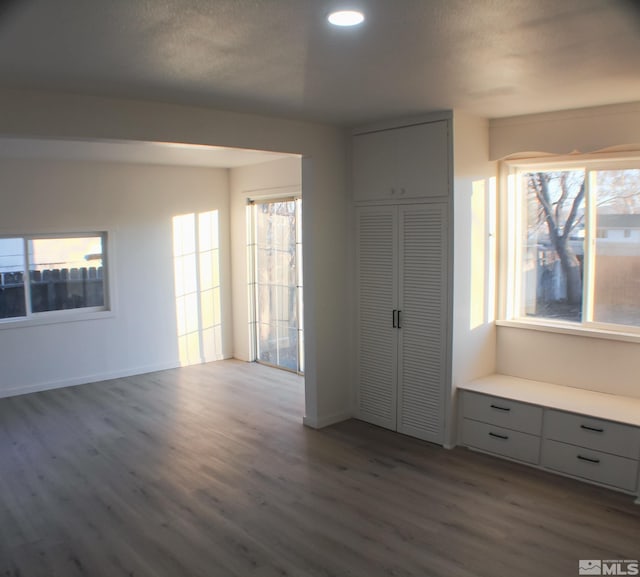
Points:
x=346, y=18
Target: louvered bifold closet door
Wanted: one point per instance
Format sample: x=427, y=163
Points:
x=377, y=339
x=423, y=333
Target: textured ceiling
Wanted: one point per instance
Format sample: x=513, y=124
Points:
x=490, y=57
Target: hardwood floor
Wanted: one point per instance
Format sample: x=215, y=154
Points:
x=207, y=471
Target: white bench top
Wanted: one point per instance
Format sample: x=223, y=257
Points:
x=599, y=405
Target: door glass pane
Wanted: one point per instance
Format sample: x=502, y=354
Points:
x=553, y=244
x=287, y=347
x=277, y=275
x=267, y=343
x=617, y=256
x=299, y=282
x=12, y=299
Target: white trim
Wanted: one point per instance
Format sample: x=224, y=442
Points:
x=403, y=122
x=439, y=199
x=326, y=420
x=504, y=250
x=86, y=379
x=292, y=190
x=252, y=275
x=567, y=329
x=55, y=317
x=589, y=261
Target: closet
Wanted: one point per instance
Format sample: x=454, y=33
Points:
x=402, y=278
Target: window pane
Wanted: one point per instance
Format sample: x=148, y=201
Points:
x=268, y=343
x=277, y=307
x=553, y=244
x=12, y=301
x=66, y=273
x=616, y=296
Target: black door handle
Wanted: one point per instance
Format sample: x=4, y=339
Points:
x=393, y=318
x=399, y=319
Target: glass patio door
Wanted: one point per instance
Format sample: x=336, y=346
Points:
x=278, y=283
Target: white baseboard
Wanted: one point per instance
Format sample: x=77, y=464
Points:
x=85, y=379
x=326, y=420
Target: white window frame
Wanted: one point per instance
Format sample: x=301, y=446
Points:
x=66, y=315
x=252, y=260
x=511, y=217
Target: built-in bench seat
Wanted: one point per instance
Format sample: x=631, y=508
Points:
x=591, y=436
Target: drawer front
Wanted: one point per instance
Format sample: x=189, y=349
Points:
x=605, y=436
x=596, y=466
x=504, y=442
x=502, y=412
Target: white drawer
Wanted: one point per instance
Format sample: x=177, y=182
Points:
x=505, y=442
x=606, y=436
x=589, y=464
x=502, y=412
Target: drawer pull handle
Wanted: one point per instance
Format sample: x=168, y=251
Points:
x=505, y=409
x=588, y=459
x=594, y=429
x=497, y=436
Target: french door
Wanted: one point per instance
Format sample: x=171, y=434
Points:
x=279, y=336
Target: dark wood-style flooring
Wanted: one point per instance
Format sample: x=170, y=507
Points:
x=207, y=471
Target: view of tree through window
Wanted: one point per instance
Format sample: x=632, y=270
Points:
x=554, y=244
x=580, y=250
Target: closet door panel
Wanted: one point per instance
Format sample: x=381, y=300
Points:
x=423, y=334
x=422, y=160
x=377, y=339
x=374, y=173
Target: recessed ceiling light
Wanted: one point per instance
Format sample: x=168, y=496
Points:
x=346, y=18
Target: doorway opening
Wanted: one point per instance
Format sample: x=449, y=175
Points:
x=275, y=251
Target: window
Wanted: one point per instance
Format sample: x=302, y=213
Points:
x=276, y=249
x=43, y=275
x=573, y=246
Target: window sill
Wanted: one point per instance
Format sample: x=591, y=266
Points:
x=565, y=329
x=55, y=318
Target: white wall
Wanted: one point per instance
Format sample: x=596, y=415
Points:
x=280, y=177
x=474, y=337
x=324, y=194
x=135, y=204
x=603, y=365
x=592, y=363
